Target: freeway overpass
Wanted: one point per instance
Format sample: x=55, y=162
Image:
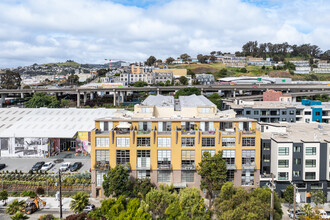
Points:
x=120, y=93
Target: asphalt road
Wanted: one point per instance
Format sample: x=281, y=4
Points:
x=25, y=164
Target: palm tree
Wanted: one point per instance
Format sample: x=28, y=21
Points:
x=15, y=206
x=19, y=216
x=79, y=202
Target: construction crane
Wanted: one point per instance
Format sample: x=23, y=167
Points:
x=113, y=60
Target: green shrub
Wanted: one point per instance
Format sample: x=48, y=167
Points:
x=40, y=191
x=29, y=193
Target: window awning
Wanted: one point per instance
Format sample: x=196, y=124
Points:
x=124, y=125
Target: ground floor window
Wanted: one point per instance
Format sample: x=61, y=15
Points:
x=248, y=177
x=99, y=178
x=230, y=175
x=187, y=176
x=164, y=176
x=142, y=174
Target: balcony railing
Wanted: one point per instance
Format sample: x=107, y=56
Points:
x=102, y=165
x=97, y=131
x=187, y=166
x=208, y=132
x=143, y=132
x=228, y=132
x=164, y=132
x=249, y=166
x=191, y=132
x=123, y=131
x=231, y=166
x=143, y=167
x=249, y=132
x=164, y=165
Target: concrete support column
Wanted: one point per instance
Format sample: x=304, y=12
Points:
x=22, y=95
x=78, y=99
x=294, y=99
x=202, y=91
x=85, y=98
x=157, y=91
x=234, y=93
x=3, y=99
x=92, y=95
x=114, y=97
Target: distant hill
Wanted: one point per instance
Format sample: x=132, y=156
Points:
x=68, y=63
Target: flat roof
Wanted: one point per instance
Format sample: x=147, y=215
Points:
x=49, y=122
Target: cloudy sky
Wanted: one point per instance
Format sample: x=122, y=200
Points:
x=88, y=31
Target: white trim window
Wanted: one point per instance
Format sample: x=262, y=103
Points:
x=164, y=142
x=228, y=141
x=123, y=141
x=102, y=142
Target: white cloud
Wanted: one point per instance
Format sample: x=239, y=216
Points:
x=90, y=30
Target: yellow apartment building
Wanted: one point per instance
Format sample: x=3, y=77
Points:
x=164, y=140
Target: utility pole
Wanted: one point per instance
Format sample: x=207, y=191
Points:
x=294, y=201
x=60, y=184
x=272, y=199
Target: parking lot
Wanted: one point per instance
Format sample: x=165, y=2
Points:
x=25, y=164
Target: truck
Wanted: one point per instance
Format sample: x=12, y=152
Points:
x=33, y=205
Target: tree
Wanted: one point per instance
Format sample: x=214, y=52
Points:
x=243, y=70
x=213, y=172
x=223, y=72
x=80, y=216
x=73, y=79
x=185, y=57
x=310, y=213
x=19, y=216
x=79, y=202
x=48, y=217
x=191, y=73
x=42, y=100
x=101, y=72
x=4, y=196
x=151, y=61
x=168, y=83
x=158, y=200
x=216, y=99
x=187, y=91
x=183, y=80
x=239, y=203
x=11, y=80
x=288, y=194
x=116, y=181
x=169, y=60
x=140, y=84
x=318, y=197
x=142, y=187
x=15, y=206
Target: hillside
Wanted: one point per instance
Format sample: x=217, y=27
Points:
x=65, y=64
x=215, y=68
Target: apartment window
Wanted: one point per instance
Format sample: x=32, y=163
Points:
x=205, y=110
x=164, y=176
x=283, y=163
x=143, y=159
x=164, y=142
x=143, y=141
x=99, y=178
x=248, y=141
x=301, y=185
x=310, y=150
x=248, y=112
x=230, y=175
x=296, y=149
x=283, y=112
x=316, y=186
x=106, y=125
x=266, y=158
x=145, y=126
x=188, y=159
x=187, y=141
x=211, y=152
x=296, y=173
x=228, y=142
x=291, y=112
x=256, y=112
x=283, y=119
x=317, y=113
x=247, y=177
x=310, y=163
x=308, y=113
x=142, y=174
x=145, y=110
x=208, y=142
x=163, y=158
x=248, y=157
x=187, y=176
x=207, y=126
x=226, y=125
x=102, y=142
x=283, y=151
x=164, y=126
x=102, y=155
x=297, y=161
x=123, y=156
x=266, y=146
x=310, y=176
x=187, y=126
x=123, y=141
x=229, y=156
x=283, y=176
x=307, y=120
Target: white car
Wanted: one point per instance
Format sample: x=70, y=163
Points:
x=65, y=166
x=47, y=166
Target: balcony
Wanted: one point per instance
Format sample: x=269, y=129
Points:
x=231, y=166
x=228, y=132
x=208, y=132
x=249, y=166
x=249, y=132
x=102, y=165
x=164, y=132
x=187, y=166
x=98, y=131
x=142, y=132
x=191, y=132
x=164, y=165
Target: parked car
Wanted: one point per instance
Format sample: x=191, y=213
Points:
x=38, y=166
x=2, y=166
x=60, y=160
x=324, y=214
x=89, y=208
x=76, y=166
x=47, y=166
x=298, y=213
x=65, y=166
